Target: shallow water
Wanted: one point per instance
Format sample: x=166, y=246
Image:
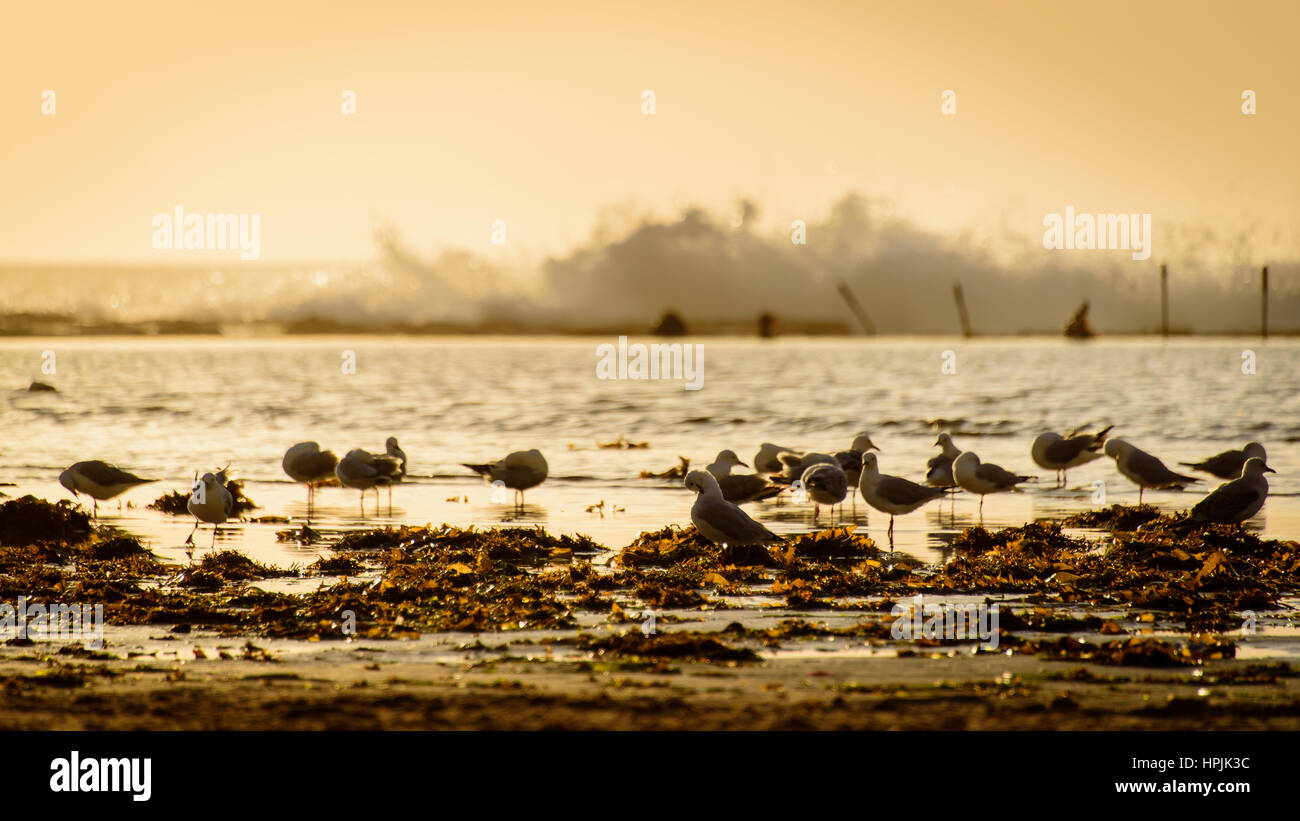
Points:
x=167, y=407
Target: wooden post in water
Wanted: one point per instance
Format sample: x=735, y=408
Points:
x=1263, y=307
x=1164, y=300
x=961, y=310
x=856, y=308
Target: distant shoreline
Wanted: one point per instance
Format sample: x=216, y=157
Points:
x=58, y=325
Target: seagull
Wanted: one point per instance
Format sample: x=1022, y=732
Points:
x=361, y=470
x=826, y=484
x=1235, y=501
x=850, y=462
x=796, y=464
x=767, y=460
x=391, y=464
x=863, y=443
x=99, y=480
x=938, y=471
x=518, y=471
x=210, y=502
x=892, y=494
x=1056, y=452
x=741, y=487
x=983, y=478
x=1228, y=465
x=720, y=521
x=1143, y=469
x=307, y=464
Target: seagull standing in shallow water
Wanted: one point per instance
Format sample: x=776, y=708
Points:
x=307, y=464
x=210, y=502
x=892, y=494
x=99, y=480
x=1143, y=469
x=983, y=477
x=826, y=484
x=938, y=471
x=360, y=470
x=518, y=471
x=1056, y=452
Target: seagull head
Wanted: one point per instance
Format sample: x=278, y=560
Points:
x=1115, y=447
x=1255, y=467
x=66, y=479
x=702, y=482
x=863, y=443
x=729, y=457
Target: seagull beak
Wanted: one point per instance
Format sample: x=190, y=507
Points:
x=1268, y=469
x=742, y=464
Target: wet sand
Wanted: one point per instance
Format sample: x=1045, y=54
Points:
x=377, y=689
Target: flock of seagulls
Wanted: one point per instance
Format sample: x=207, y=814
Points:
x=825, y=479
x=828, y=479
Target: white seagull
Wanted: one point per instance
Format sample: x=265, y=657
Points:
x=307, y=464
x=361, y=470
x=518, y=471
x=892, y=494
x=720, y=521
x=983, y=477
x=210, y=502
x=826, y=484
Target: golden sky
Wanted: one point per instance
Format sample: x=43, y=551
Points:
x=531, y=113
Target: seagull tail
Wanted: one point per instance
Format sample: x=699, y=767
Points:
x=479, y=469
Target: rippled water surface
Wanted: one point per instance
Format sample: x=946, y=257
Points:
x=167, y=407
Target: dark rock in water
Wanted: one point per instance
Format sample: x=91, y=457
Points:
x=670, y=325
x=39, y=387
x=1079, y=327
x=767, y=326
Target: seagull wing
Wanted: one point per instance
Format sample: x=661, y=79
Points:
x=734, y=523
x=997, y=475
x=902, y=491
x=1230, y=502
x=106, y=475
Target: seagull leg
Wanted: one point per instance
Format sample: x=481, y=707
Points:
x=214, y=538
x=981, y=508
x=190, y=538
